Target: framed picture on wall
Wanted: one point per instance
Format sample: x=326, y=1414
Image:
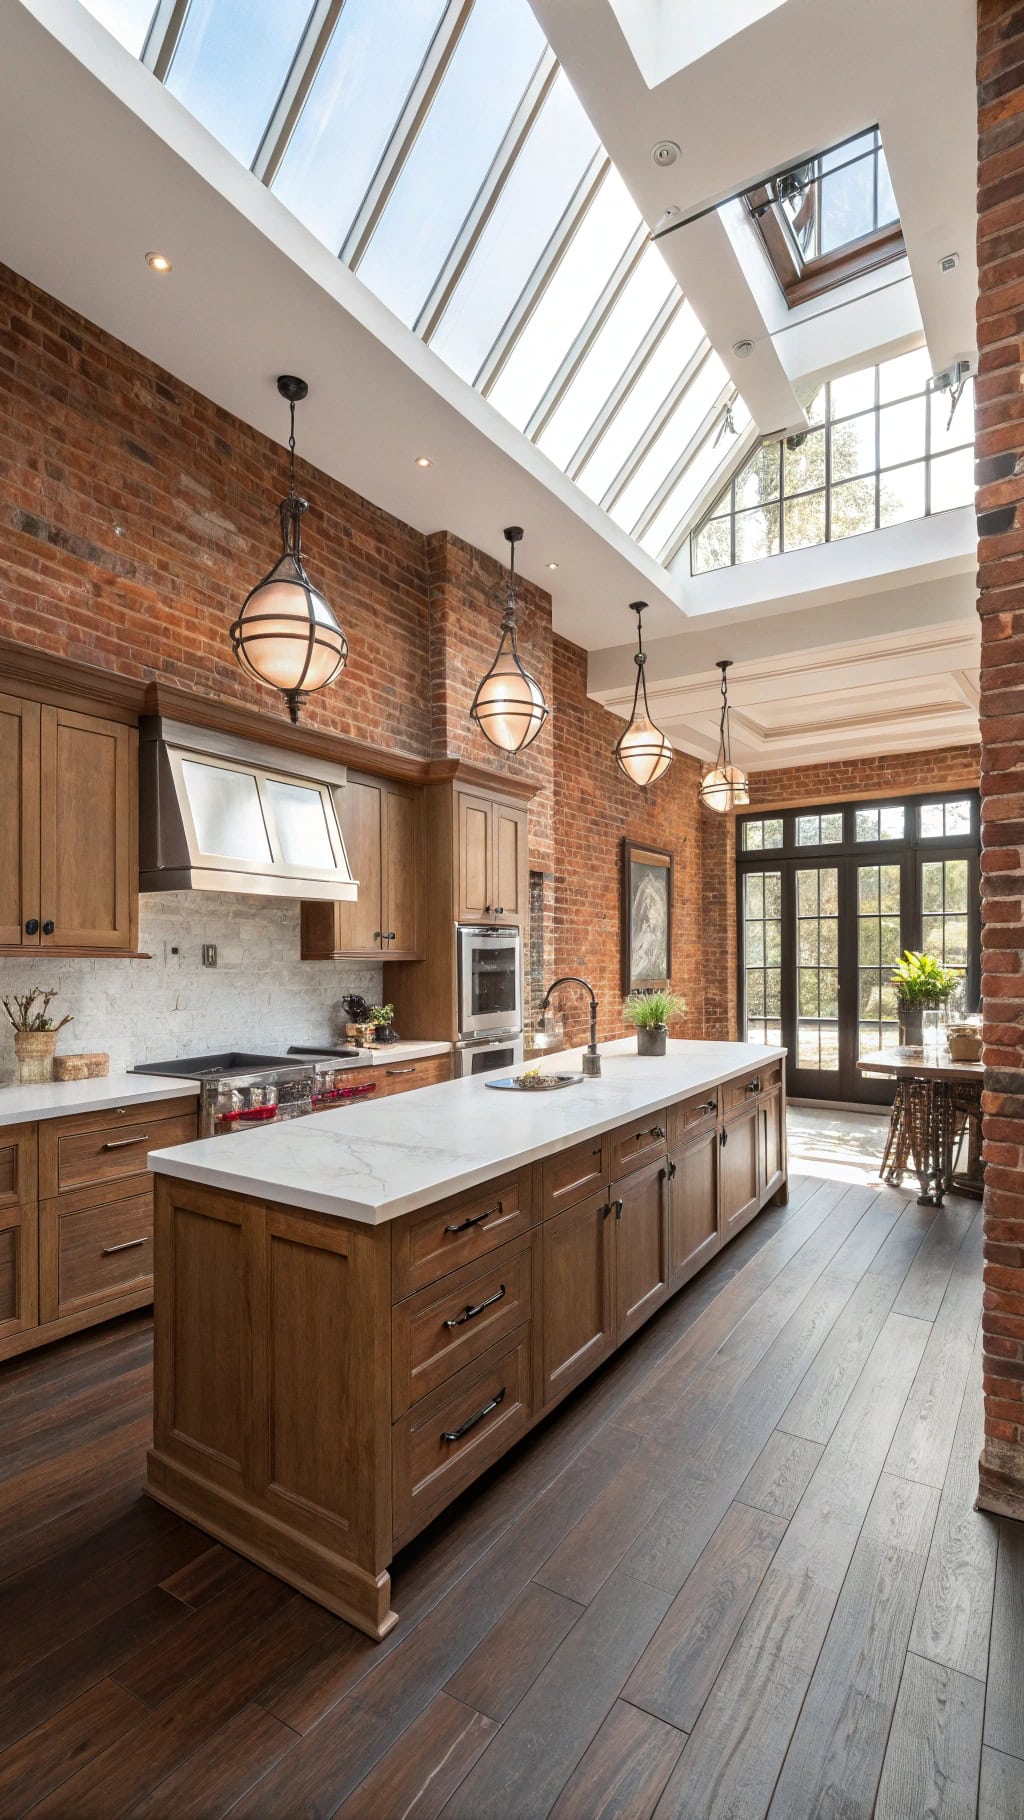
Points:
x=646, y=917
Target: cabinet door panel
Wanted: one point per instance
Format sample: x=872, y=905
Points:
x=88, y=862
x=640, y=1205
x=358, y=926
x=577, y=1310
x=738, y=1177
x=403, y=874
x=18, y=1270
x=19, y=821
x=508, y=836
x=693, y=1209
x=769, y=1133
x=474, y=873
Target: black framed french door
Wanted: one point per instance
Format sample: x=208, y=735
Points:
x=828, y=900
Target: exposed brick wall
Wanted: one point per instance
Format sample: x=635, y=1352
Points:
x=999, y=449
x=893, y=774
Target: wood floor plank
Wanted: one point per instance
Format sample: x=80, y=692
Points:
x=780, y=1475
x=72, y=1509
x=209, y=1782
x=45, y=1758
x=1002, y=1786
x=836, y=1755
x=679, y=1667
x=595, y=1545
x=934, y=1751
x=201, y=1580
x=1004, y=1707
x=67, y=1465
x=924, y=1439
x=495, y=1677
x=623, y=1771
x=954, y=1610
x=820, y=1399
x=862, y=1247
x=426, y=1765
x=528, y=1763
x=897, y=1253
x=925, y=1282
x=154, y=1673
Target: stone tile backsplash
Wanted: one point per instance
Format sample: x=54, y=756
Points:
x=260, y=995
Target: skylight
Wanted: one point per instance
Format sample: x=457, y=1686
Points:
x=451, y=166
x=885, y=446
x=829, y=218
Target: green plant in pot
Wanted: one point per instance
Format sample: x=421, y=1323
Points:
x=923, y=985
x=649, y=1013
x=382, y=1019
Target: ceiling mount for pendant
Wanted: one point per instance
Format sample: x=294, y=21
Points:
x=509, y=706
x=723, y=785
x=643, y=752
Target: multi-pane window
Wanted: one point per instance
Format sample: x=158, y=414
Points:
x=945, y=888
x=819, y=830
x=817, y=957
x=762, y=955
x=760, y=834
x=882, y=447
x=828, y=219
x=879, y=947
x=883, y=823
x=938, y=820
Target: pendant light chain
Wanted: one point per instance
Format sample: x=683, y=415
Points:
x=643, y=752
x=509, y=706
x=723, y=785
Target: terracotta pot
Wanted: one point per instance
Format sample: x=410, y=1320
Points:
x=34, y=1051
x=651, y=1039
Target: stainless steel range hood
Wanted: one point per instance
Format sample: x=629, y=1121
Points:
x=218, y=813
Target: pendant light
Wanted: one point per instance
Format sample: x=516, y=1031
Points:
x=509, y=706
x=643, y=753
x=286, y=634
x=723, y=785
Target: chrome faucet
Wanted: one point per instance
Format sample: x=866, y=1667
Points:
x=591, y=1058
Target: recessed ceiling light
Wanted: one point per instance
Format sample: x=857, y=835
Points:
x=158, y=262
x=423, y=461
x=552, y=565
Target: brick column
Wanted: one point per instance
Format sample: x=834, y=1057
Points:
x=1000, y=501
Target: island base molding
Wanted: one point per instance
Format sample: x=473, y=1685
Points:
x=324, y=1388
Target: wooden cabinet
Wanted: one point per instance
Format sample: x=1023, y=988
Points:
x=738, y=1171
x=400, y=1077
x=94, y=1246
x=640, y=1206
x=382, y=825
x=18, y=1270
x=638, y=1143
x=578, y=1310
x=68, y=831
x=693, y=1205
x=492, y=867
x=771, y=1158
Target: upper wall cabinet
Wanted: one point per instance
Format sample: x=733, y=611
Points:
x=491, y=860
x=68, y=832
x=382, y=824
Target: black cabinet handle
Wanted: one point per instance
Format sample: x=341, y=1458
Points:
x=723, y=1137
x=617, y=1205
x=456, y=1434
x=378, y=935
x=32, y=926
x=670, y=1170
x=391, y=935
x=656, y=1131
x=469, y=1313
x=477, y=1219
x=605, y=1210
x=499, y=909
x=48, y=928
x=754, y=1086
x=708, y=1106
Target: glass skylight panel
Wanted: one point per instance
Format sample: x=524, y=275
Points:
x=679, y=503
x=646, y=290
x=126, y=20
x=674, y=350
x=545, y=175
x=350, y=113
x=670, y=442
x=588, y=263
x=847, y=205
x=231, y=62
x=482, y=87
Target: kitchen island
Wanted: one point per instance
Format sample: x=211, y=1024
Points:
x=355, y=1315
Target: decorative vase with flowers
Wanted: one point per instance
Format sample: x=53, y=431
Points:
x=35, y=1033
x=923, y=987
x=649, y=1013
x=381, y=1017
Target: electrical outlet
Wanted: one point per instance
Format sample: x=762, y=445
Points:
x=209, y=954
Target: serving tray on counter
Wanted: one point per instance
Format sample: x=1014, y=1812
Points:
x=547, y=1084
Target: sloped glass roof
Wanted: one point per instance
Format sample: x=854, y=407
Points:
x=445, y=158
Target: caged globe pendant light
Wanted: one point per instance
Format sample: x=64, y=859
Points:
x=509, y=706
x=643, y=753
x=286, y=634
x=723, y=785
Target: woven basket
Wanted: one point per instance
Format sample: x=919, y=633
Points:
x=34, y=1051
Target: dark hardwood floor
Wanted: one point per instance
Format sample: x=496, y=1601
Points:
x=739, y=1574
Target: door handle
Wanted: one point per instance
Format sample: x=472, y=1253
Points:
x=456, y=1434
x=617, y=1205
x=723, y=1137
x=390, y=935
x=123, y=1143
x=670, y=1169
x=129, y=1245
x=499, y=909
x=477, y=1219
x=708, y=1106
x=753, y=1086
x=48, y=928
x=469, y=1313
x=32, y=926
x=656, y=1131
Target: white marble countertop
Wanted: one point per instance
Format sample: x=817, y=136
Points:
x=374, y=1161
x=407, y=1052
x=55, y=1099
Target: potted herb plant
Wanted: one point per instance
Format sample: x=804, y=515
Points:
x=649, y=1013
x=923, y=987
x=35, y=1033
x=381, y=1017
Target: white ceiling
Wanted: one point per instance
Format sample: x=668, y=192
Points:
x=108, y=165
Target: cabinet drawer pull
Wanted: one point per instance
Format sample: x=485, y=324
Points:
x=753, y=1086
x=477, y=1219
x=128, y=1245
x=410, y=1070
x=617, y=1206
x=469, y=1312
x=124, y=1143
x=708, y=1106
x=656, y=1131
x=456, y=1434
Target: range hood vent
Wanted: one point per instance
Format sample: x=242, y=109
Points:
x=218, y=813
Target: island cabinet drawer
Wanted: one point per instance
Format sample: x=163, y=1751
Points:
x=639, y=1142
x=75, y=1152
x=687, y=1117
x=399, y=1077
x=451, y=1436
x=442, y=1328
x=429, y=1244
x=749, y=1086
x=95, y=1250
x=571, y=1175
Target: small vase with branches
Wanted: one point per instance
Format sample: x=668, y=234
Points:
x=35, y=1033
